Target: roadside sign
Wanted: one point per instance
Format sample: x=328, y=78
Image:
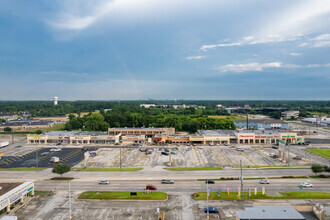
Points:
x=300, y=187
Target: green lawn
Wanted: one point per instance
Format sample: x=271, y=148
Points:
x=117, y=195
x=274, y=167
x=288, y=195
x=193, y=168
x=321, y=152
x=23, y=169
x=107, y=169
x=36, y=192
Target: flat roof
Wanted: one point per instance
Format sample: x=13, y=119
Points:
x=73, y=133
x=128, y=128
x=6, y=187
x=270, y=212
x=264, y=121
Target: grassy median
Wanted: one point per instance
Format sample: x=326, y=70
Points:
x=107, y=169
x=62, y=178
x=193, y=168
x=274, y=167
x=288, y=195
x=117, y=195
x=23, y=169
x=322, y=152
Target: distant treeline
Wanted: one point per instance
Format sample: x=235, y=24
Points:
x=46, y=108
x=124, y=116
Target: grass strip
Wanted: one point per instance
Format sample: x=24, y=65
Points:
x=192, y=168
x=23, y=169
x=122, y=195
x=288, y=195
x=273, y=167
x=62, y=178
x=322, y=152
x=277, y=177
x=106, y=169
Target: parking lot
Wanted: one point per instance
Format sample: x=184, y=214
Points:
x=197, y=156
x=41, y=158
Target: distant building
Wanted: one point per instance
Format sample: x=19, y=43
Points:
x=322, y=121
x=261, y=124
x=30, y=123
x=219, y=106
x=57, y=119
x=148, y=132
x=8, y=116
x=290, y=114
x=55, y=100
x=147, y=105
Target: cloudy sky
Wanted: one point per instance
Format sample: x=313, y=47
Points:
x=164, y=49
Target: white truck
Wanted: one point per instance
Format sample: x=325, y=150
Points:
x=4, y=144
x=54, y=159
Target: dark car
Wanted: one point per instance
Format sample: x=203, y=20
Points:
x=165, y=153
x=151, y=187
x=211, y=210
x=209, y=181
x=275, y=147
x=148, y=152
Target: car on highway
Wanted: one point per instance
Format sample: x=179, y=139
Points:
x=239, y=149
x=209, y=181
x=167, y=181
x=151, y=187
x=297, y=157
x=104, y=182
x=211, y=210
x=304, y=184
x=264, y=182
x=165, y=153
x=55, y=149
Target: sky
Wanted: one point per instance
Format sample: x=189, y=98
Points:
x=165, y=49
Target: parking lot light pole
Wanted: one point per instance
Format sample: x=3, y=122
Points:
x=120, y=158
x=70, y=208
x=240, y=161
x=37, y=156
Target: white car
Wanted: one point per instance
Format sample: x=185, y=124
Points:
x=167, y=181
x=55, y=149
x=104, y=182
x=264, y=182
x=304, y=184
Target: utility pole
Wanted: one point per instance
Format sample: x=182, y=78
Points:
x=37, y=162
x=120, y=158
x=207, y=200
x=12, y=136
x=70, y=208
x=247, y=121
x=289, y=155
x=241, y=177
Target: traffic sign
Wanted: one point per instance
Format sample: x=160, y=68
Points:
x=300, y=187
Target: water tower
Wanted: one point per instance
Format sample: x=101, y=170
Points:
x=55, y=100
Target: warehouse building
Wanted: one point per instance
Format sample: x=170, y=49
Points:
x=31, y=123
x=14, y=193
x=261, y=124
x=148, y=132
x=73, y=137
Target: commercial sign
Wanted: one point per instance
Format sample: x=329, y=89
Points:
x=36, y=137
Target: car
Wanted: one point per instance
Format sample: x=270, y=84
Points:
x=44, y=153
x=55, y=149
x=142, y=149
x=58, y=144
x=84, y=149
x=297, y=157
x=188, y=144
x=209, y=181
x=264, y=182
x=273, y=155
x=239, y=149
x=188, y=149
x=178, y=145
x=104, y=182
x=172, y=152
x=175, y=148
x=217, y=144
x=167, y=150
x=167, y=181
x=151, y=187
x=211, y=144
x=194, y=144
x=315, y=132
x=275, y=147
x=224, y=144
x=304, y=184
x=165, y=153
x=211, y=210
x=148, y=152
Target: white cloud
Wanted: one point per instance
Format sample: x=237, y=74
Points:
x=319, y=41
x=205, y=47
x=295, y=54
x=195, y=58
x=239, y=68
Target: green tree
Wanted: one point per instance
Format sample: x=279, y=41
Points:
x=61, y=169
x=2, y=120
x=95, y=122
x=317, y=168
x=38, y=131
x=7, y=129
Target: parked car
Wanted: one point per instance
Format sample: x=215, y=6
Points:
x=211, y=210
x=264, y=182
x=172, y=152
x=275, y=147
x=148, y=152
x=188, y=149
x=194, y=144
x=84, y=149
x=211, y=144
x=209, y=181
x=224, y=144
x=217, y=144
x=239, y=149
x=167, y=150
x=104, y=182
x=304, y=184
x=151, y=187
x=273, y=155
x=178, y=145
x=297, y=157
x=55, y=149
x=175, y=148
x=58, y=144
x=44, y=153
x=54, y=159
x=165, y=153
x=167, y=181
x=188, y=144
